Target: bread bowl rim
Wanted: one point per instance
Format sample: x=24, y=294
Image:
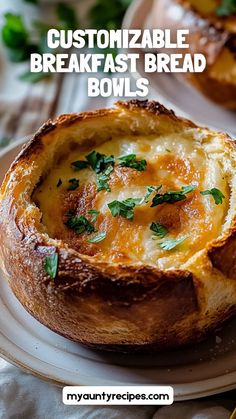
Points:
x=153, y=107
x=131, y=283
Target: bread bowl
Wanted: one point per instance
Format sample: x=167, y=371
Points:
x=155, y=272
x=212, y=31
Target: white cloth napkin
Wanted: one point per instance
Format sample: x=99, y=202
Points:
x=22, y=396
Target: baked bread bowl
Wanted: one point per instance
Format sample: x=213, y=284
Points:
x=212, y=31
x=156, y=271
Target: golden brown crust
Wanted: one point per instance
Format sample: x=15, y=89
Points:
x=106, y=305
x=209, y=34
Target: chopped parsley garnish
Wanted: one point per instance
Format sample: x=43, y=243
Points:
x=98, y=238
x=216, y=193
x=124, y=208
x=73, y=184
x=99, y=162
x=94, y=214
x=226, y=8
x=79, y=224
x=51, y=265
x=159, y=230
x=171, y=244
x=130, y=160
x=80, y=164
x=59, y=183
x=150, y=190
x=172, y=196
x=103, y=178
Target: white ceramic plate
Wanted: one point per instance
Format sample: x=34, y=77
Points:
x=172, y=91
x=198, y=371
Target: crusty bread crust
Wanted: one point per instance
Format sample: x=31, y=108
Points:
x=210, y=35
x=104, y=305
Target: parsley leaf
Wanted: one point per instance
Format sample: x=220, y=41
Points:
x=171, y=244
x=79, y=224
x=80, y=164
x=159, y=230
x=150, y=190
x=130, y=160
x=103, y=178
x=94, y=214
x=73, y=184
x=98, y=238
x=124, y=208
x=51, y=265
x=216, y=193
x=59, y=183
x=99, y=162
x=172, y=196
x=226, y=8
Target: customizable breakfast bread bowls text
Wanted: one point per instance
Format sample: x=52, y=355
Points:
x=117, y=228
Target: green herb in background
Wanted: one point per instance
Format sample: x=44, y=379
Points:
x=4, y=141
x=20, y=42
x=226, y=8
x=31, y=1
x=66, y=16
x=107, y=14
x=33, y=77
x=16, y=38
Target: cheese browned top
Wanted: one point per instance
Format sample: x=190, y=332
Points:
x=173, y=162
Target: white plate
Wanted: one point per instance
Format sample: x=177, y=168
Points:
x=172, y=91
x=198, y=371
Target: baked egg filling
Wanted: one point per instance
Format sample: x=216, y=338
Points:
x=146, y=199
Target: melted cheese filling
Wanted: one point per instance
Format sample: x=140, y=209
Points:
x=172, y=162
